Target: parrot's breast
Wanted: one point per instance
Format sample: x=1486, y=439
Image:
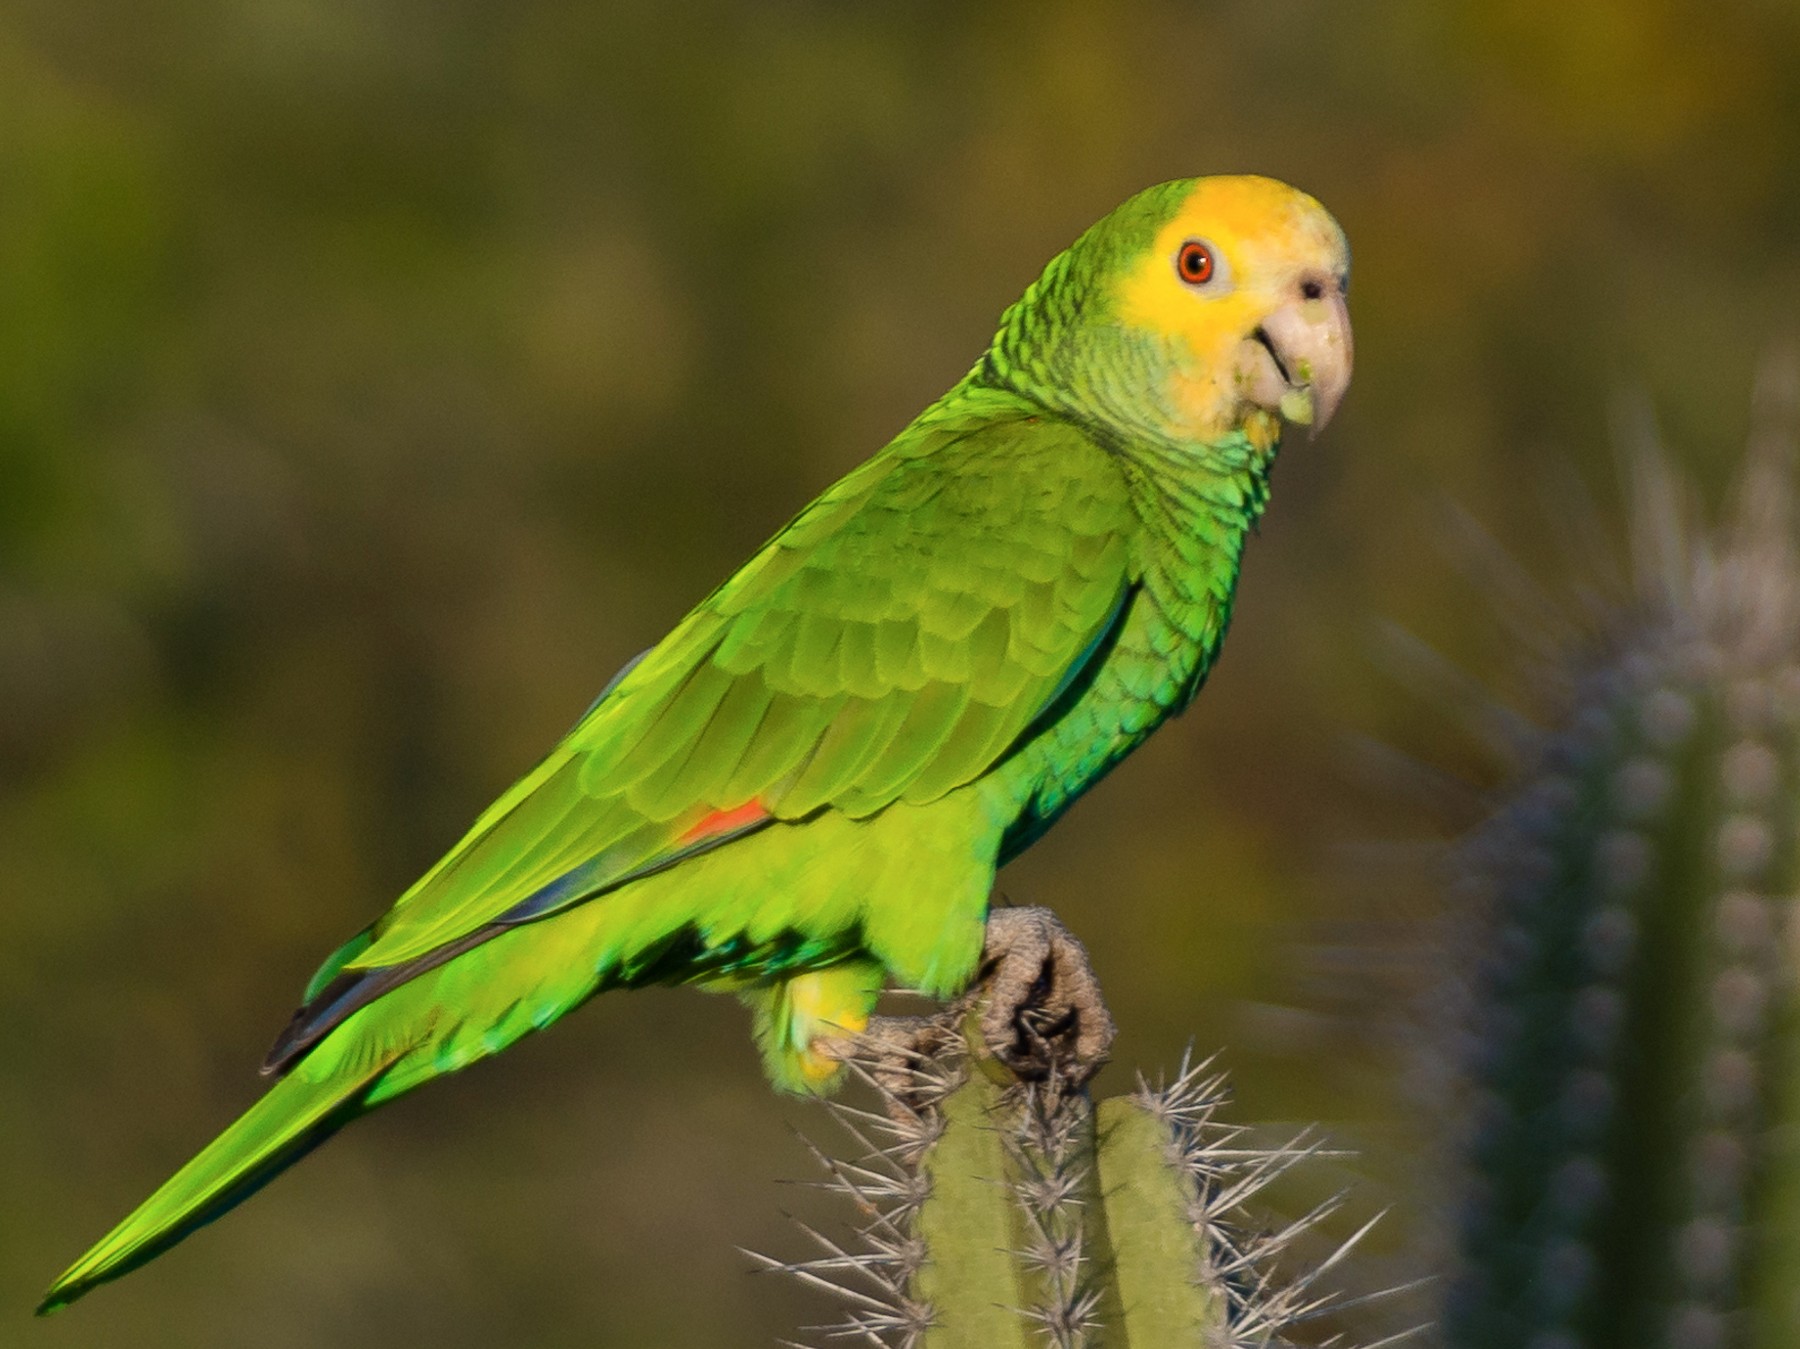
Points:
x=1192, y=517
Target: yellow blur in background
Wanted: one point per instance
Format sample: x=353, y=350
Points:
x=377, y=376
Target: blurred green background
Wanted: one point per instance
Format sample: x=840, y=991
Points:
x=376, y=376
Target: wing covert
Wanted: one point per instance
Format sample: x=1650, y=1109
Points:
x=890, y=644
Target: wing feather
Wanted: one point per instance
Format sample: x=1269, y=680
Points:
x=892, y=643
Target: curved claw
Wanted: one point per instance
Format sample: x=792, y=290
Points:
x=1034, y=1014
x=1042, y=1014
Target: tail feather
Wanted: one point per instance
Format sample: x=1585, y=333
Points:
x=364, y=1039
x=454, y=1012
x=297, y=1114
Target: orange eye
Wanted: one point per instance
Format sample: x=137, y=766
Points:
x=1194, y=263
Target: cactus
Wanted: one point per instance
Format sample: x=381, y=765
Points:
x=1630, y=1040
x=997, y=1213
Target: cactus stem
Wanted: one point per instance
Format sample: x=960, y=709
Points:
x=997, y=1213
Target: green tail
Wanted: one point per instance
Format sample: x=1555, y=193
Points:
x=296, y=1115
x=452, y=1014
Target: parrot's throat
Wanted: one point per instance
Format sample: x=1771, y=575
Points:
x=1198, y=505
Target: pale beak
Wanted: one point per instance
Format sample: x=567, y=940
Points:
x=1298, y=362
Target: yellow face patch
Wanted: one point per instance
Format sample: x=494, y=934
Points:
x=1263, y=236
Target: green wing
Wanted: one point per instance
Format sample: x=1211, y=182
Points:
x=890, y=644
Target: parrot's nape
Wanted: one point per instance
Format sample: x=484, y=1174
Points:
x=804, y=790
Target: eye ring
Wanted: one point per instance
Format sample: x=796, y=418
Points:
x=1194, y=263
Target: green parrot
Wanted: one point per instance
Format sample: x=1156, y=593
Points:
x=804, y=790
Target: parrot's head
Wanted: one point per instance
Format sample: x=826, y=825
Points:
x=1195, y=309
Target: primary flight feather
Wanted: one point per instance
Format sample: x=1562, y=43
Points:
x=804, y=790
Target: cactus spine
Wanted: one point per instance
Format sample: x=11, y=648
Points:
x=1632, y=1042
x=999, y=1214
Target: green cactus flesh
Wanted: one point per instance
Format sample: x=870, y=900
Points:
x=1160, y=1298
x=971, y=1277
x=1009, y=1214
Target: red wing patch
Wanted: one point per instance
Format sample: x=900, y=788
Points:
x=724, y=822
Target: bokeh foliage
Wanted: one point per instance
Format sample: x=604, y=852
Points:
x=376, y=377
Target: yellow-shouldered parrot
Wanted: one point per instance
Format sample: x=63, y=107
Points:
x=804, y=790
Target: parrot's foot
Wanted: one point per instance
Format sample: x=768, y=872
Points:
x=1034, y=1010
x=896, y=1054
x=1041, y=1013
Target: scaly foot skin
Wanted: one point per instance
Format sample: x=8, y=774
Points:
x=893, y=1049
x=1035, y=1004
x=1041, y=1010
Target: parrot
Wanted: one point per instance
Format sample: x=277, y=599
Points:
x=801, y=795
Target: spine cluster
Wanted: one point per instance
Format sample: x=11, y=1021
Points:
x=1002, y=1214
